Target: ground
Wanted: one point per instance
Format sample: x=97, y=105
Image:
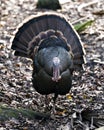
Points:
x=87, y=94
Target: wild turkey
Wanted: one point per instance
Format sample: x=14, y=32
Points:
x=55, y=49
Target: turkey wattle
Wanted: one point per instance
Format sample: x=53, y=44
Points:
x=55, y=49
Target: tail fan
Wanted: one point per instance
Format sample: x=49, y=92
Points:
x=37, y=28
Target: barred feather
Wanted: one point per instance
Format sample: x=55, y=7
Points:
x=38, y=28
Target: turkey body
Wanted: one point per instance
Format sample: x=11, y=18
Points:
x=55, y=49
x=43, y=71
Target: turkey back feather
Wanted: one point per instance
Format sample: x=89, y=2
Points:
x=38, y=28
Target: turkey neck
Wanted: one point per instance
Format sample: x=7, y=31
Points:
x=56, y=69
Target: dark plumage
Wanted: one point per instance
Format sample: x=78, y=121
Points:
x=48, y=4
x=55, y=48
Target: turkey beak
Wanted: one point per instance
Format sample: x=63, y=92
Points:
x=56, y=69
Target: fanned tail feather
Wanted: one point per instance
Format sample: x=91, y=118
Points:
x=37, y=28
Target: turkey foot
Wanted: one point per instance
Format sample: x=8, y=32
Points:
x=56, y=109
x=48, y=104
